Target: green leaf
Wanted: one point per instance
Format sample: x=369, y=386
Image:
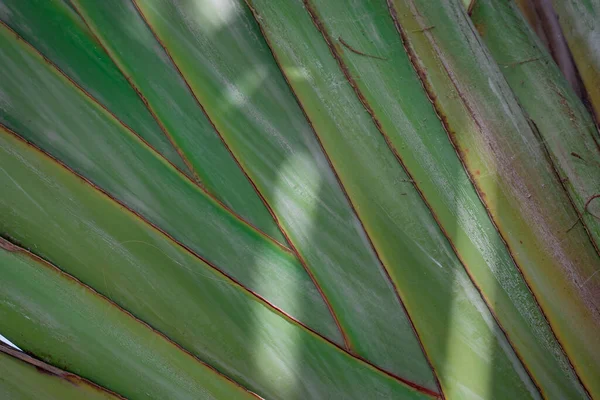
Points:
x=23, y=377
x=57, y=32
x=61, y=321
x=269, y=134
x=566, y=128
x=430, y=279
x=52, y=316
x=74, y=129
x=580, y=23
x=298, y=199
x=75, y=51
x=369, y=50
x=511, y=171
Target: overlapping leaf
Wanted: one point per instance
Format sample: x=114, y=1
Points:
x=299, y=199
x=23, y=377
x=50, y=315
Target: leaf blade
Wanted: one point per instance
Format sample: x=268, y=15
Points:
x=23, y=377
x=59, y=34
x=423, y=266
x=74, y=129
x=287, y=164
x=390, y=90
x=56, y=317
x=234, y=330
x=132, y=46
x=579, y=20
x=510, y=170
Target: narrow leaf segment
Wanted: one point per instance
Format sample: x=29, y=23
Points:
x=580, y=23
x=431, y=281
x=76, y=130
x=25, y=378
x=566, y=129
x=59, y=34
x=54, y=317
x=75, y=226
x=269, y=134
x=416, y=137
x=130, y=43
x=511, y=171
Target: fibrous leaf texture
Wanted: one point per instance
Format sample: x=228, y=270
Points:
x=299, y=199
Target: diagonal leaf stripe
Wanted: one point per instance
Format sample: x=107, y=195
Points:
x=580, y=23
x=511, y=171
x=53, y=28
x=567, y=131
x=148, y=185
x=276, y=146
x=112, y=31
x=76, y=53
x=299, y=199
x=409, y=241
x=566, y=128
x=24, y=377
x=41, y=302
x=157, y=81
x=86, y=233
x=378, y=72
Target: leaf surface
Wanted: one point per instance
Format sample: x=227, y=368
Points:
x=59, y=34
x=269, y=134
x=370, y=53
x=73, y=225
x=74, y=129
x=580, y=23
x=63, y=322
x=430, y=279
x=565, y=126
x=141, y=58
x=25, y=378
x=511, y=172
